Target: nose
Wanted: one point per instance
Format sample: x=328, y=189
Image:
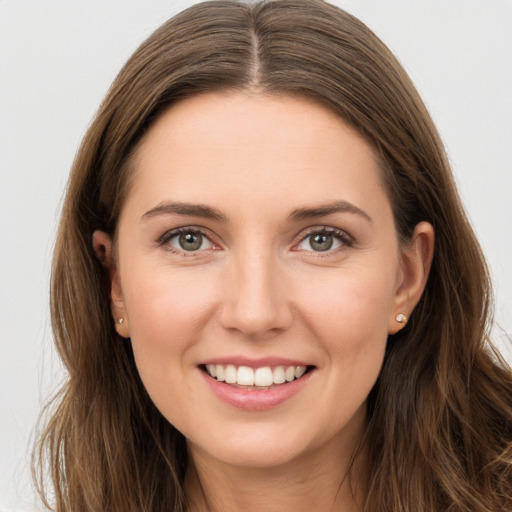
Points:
x=256, y=301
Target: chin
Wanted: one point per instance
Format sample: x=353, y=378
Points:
x=263, y=446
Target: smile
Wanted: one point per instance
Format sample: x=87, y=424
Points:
x=246, y=377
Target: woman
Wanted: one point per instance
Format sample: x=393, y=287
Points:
x=265, y=290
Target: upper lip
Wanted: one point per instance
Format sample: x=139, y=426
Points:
x=255, y=362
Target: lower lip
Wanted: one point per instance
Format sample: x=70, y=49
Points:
x=254, y=399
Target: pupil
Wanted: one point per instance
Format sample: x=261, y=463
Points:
x=191, y=241
x=321, y=242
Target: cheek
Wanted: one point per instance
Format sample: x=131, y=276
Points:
x=349, y=318
x=166, y=311
x=353, y=306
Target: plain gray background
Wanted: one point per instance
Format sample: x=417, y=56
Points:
x=57, y=59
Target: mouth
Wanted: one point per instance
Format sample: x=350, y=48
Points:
x=261, y=378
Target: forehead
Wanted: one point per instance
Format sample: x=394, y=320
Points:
x=254, y=147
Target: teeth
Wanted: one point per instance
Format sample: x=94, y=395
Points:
x=263, y=377
x=300, y=371
x=245, y=376
x=230, y=374
x=278, y=375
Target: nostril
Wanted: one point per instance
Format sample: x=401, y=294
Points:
x=256, y=322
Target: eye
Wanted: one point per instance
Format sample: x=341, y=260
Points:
x=323, y=240
x=188, y=240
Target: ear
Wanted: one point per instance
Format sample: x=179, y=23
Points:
x=102, y=244
x=415, y=267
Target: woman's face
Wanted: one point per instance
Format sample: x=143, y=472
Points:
x=257, y=241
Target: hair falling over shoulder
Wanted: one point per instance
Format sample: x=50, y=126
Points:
x=439, y=434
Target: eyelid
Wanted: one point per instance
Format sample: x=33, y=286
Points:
x=345, y=239
x=171, y=233
x=341, y=235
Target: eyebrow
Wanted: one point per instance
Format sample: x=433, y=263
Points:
x=328, y=209
x=207, y=212
x=190, y=209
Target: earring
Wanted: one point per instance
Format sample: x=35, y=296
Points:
x=120, y=321
x=401, y=318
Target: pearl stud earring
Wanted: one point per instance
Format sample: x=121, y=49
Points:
x=401, y=318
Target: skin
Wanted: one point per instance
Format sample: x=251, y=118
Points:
x=258, y=288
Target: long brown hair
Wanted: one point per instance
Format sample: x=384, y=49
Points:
x=439, y=435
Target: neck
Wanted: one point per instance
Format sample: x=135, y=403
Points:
x=324, y=480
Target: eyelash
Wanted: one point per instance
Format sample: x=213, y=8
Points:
x=169, y=235
x=344, y=238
